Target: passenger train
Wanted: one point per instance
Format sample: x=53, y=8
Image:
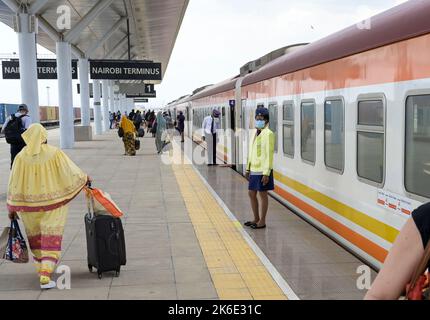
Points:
x=351, y=113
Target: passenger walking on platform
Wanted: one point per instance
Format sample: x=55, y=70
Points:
x=181, y=125
x=210, y=126
x=111, y=119
x=137, y=120
x=404, y=258
x=129, y=136
x=42, y=182
x=160, y=132
x=259, y=169
x=13, y=128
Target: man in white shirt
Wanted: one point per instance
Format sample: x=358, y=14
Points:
x=14, y=138
x=210, y=126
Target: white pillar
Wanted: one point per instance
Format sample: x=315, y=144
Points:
x=130, y=103
x=85, y=92
x=65, y=97
x=28, y=67
x=111, y=98
x=105, y=109
x=116, y=103
x=97, y=107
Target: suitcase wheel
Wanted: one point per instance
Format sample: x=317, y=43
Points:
x=90, y=267
x=100, y=275
x=117, y=272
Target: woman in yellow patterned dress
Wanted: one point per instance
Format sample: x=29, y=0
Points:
x=129, y=136
x=42, y=182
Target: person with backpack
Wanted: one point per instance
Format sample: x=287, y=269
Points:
x=14, y=126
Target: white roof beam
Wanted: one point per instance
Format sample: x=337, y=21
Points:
x=54, y=35
x=12, y=4
x=73, y=34
x=107, y=35
x=117, y=47
x=37, y=6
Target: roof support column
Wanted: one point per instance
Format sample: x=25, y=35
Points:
x=28, y=66
x=65, y=97
x=105, y=108
x=85, y=91
x=111, y=97
x=97, y=107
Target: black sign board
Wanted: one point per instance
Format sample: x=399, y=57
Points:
x=46, y=69
x=149, y=89
x=143, y=95
x=124, y=70
x=140, y=100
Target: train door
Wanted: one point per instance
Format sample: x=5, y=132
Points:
x=188, y=122
x=243, y=138
x=232, y=126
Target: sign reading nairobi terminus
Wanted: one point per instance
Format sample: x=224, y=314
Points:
x=124, y=70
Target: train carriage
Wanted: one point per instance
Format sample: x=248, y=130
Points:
x=351, y=114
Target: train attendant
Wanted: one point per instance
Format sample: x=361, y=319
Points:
x=210, y=126
x=259, y=169
x=404, y=258
x=42, y=182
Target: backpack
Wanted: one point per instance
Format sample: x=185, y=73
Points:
x=14, y=129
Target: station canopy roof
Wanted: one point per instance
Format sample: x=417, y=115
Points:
x=153, y=25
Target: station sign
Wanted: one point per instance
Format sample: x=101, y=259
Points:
x=143, y=95
x=46, y=69
x=125, y=70
x=139, y=100
x=136, y=90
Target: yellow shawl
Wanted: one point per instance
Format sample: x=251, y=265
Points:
x=43, y=177
x=127, y=125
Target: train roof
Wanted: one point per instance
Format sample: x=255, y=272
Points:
x=402, y=22
x=226, y=85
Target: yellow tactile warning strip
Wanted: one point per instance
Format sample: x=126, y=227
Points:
x=236, y=271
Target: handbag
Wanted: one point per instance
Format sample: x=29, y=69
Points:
x=141, y=132
x=120, y=132
x=16, y=249
x=418, y=288
x=137, y=144
x=102, y=202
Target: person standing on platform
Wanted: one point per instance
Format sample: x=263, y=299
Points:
x=42, y=182
x=129, y=136
x=161, y=132
x=13, y=128
x=259, y=169
x=137, y=120
x=181, y=125
x=210, y=126
x=111, y=119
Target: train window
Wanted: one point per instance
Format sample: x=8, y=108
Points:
x=371, y=141
x=273, y=122
x=308, y=137
x=417, y=166
x=223, y=124
x=334, y=134
x=288, y=128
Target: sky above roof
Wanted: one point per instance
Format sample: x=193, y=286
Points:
x=217, y=37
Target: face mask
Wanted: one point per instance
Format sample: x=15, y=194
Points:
x=216, y=120
x=260, y=124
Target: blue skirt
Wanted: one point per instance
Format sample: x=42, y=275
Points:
x=255, y=183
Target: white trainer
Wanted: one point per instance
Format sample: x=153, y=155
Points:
x=50, y=285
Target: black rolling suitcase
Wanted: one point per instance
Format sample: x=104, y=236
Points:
x=105, y=243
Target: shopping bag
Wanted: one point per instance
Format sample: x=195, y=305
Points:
x=16, y=249
x=102, y=200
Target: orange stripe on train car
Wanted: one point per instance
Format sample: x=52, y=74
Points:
x=355, y=238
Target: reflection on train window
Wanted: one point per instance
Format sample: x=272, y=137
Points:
x=371, y=141
x=371, y=113
x=417, y=161
x=334, y=133
x=273, y=122
x=308, y=138
x=288, y=128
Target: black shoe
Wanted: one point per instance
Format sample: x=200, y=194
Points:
x=255, y=226
x=248, y=223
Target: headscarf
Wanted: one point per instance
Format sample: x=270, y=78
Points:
x=161, y=122
x=127, y=125
x=43, y=177
x=34, y=137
